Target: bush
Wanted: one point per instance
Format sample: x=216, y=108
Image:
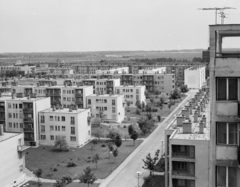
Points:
x=71, y=164
x=124, y=126
x=94, y=141
x=54, y=169
x=138, y=112
x=103, y=145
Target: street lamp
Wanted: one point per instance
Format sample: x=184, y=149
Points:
x=162, y=148
x=138, y=175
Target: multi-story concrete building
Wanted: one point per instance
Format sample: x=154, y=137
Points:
x=120, y=70
x=103, y=86
x=20, y=114
x=225, y=108
x=12, y=159
x=194, y=77
x=72, y=123
x=206, y=55
x=23, y=70
x=132, y=94
x=187, y=140
x=112, y=106
x=158, y=70
x=55, y=71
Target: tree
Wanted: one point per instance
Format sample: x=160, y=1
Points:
x=138, y=111
x=118, y=141
x=38, y=174
x=150, y=162
x=149, y=116
x=145, y=125
x=87, y=177
x=115, y=153
x=143, y=105
x=130, y=129
x=61, y=142
x=175, y=94
x=138, y=104
x=159, y=118
x=98, y=133
x=157, y=92
x=112, y=134
x=95, y=159
x=134, y=136
x=64, y=181
x=110, y=147
x=148, y=108
x=184, y=88
x=101, y=115
x=96, y=122
x=128, y=104
x=160, y=103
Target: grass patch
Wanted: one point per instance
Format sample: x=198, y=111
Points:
x=48, y=159
x=74, y=184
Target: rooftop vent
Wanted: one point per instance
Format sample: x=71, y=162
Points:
x=187, y=127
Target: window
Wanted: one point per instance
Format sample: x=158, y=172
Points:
x=16, y=125
x=20, y=105
x=72, y=120
x=55, y=128
x=105, y=100
x=137, y=97
x=10, y=115
x=42, y=128
x=42, y=119
x=227, y=133
x=105, y=108
x=64, y=98
x=13, y=115
x=226, y=176
x=227, y=88
x=137, y=91
x=16, y=115
x=113, y=102
x=89, y=101
x=58, y=128
x=51, y=137
x=113, y=110
x=63, y=118
x=9, y=105
x=21, y=125
x=10, y=125
x=51, y=118
x=63, y=128
x=51, y=128
x=43, y=137
x=73, y=138
x=72, y=130
x=118, y=92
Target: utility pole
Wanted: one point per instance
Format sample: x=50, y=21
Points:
x=216, y=11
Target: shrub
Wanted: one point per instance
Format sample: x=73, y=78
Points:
x=124, y=126
x=54, y=169
x=94, y=141
x=103, y=145
x=71, y=164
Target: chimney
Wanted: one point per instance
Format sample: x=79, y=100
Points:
x=1, y=130
x=187, y=127
x=186, y=112
x=195, y=116
x=204, y=119
x=180, y=120
x=201, y=127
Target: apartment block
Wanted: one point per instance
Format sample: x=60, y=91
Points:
x=112, y=106
x=187, y=140
x=20, y=114
x=12, y=159
x=132, y=94
x=72, y=123
x=23, y=70
x=103, y=86
x=194, y=77
x=225, y=107
x=119, y=70
x=158, y=70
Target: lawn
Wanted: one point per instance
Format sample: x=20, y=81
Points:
x=50, y=159
x=74, y=184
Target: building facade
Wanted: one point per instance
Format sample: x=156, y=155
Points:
x=225, y=109
x=72, y=123
x=112, y=106
x=194, y=77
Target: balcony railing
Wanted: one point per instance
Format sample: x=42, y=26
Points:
x=2, y=118
x=78, y=94
x=28, y=119
x=28, y=129
x=183, y=173
x=22, y=148
x=2, y=109
x=30, y=110
x=30, y=139
x=183, y=155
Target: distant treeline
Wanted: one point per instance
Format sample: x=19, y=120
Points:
x=154, y=60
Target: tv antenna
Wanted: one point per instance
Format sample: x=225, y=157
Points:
x=216, y=12
x=222, y=15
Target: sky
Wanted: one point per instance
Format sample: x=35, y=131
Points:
x=108, y=25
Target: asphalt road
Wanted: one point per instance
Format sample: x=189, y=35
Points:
x=126, y=174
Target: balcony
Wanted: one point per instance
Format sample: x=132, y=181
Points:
x=28, y=119
x=2, y=118
x=183, y=173
x=79, y=95
x=2, y=109
x=29, y=139
x=79, y=102
x=28, y=110
x=28, y=129
x=22, y=148
x=184, y=155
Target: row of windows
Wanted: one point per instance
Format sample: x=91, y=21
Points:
x=72, y=138
x=105, y=109
x=227, y=88
x=57, y=128
x=57, y=118
x=10, y=105
x=15, y=125
x=68, y=98
x=15, y=115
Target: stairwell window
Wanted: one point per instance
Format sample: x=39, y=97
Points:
x=227, y=88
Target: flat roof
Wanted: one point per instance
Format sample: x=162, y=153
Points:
x=9, y=98
x=105, y=95
x=130, y=86
x=195, y=135
x=64, y=110
x=8, y=135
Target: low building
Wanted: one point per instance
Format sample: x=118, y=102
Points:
x=187, y=140
x=119, y=70
x=112, y=106
x=12, y=159
x=23, y=70
x=194, y=77
x=132, y=94
x=158, y=70
x=73, y=124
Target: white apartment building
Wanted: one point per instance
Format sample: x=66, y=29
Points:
x=20, y=114
x=158, y=70
x=119, y=70
x=102, y=86
x=132, y=94
x=24, y=69
x=12, y=159
x=194, y=77
x=111, y=105
x=72, y=123
x=187, y=140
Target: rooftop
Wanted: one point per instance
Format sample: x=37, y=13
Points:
x=196, y=68
x=9, y=98
x=7, y=135
x=130, y=86
x=64, y=110
x=105, y=95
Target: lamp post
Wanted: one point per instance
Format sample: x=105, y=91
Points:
x=162, y=148
x=138, y=175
